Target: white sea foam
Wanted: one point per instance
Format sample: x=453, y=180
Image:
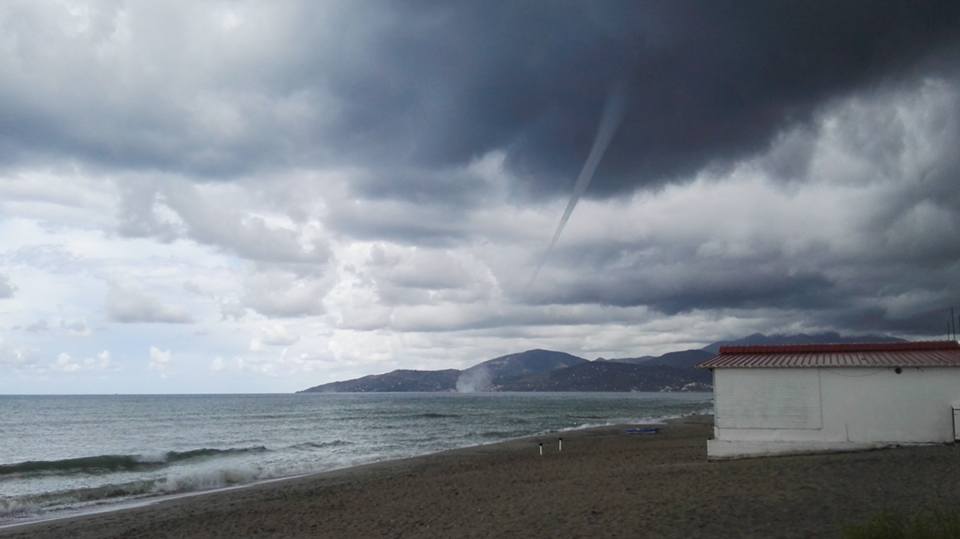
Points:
x=12, y=508
x=211, y=477
x=157, y=457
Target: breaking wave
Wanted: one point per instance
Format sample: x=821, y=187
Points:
x=27, y=506
x=100, y=464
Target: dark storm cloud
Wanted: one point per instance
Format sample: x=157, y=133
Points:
x=686, y=285
x=863, y=236
x=707, y=83
x=927, y=322
x=429, y=86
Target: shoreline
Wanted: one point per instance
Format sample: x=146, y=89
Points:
x=147, y=501
x=604, y=483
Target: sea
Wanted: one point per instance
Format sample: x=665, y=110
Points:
x=67, y=455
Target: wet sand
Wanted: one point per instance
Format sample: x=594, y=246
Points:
x=605, y=483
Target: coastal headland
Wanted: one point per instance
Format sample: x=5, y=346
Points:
x=606, y=482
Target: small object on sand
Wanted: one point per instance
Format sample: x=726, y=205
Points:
x=643, y=431
x=541, y=448
x=559, y=445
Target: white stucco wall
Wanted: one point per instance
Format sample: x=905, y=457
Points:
x=770, y=410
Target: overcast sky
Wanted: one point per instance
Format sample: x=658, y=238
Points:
x=262, y=196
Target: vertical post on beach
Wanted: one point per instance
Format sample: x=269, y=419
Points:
x=559, y=445
x=541, y=448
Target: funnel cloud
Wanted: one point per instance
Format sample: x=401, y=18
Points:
x=609, y=121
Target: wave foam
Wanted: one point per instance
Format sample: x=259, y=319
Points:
x=209, y=478
x=100, y=464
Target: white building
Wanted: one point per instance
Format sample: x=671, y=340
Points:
x=839, y=397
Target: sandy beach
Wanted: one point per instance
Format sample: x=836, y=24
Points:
x=605, y=483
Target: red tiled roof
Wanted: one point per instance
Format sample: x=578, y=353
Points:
x=898, y=354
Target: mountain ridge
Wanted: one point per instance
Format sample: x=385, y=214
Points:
x=549, y=370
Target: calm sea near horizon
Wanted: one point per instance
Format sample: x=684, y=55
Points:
x=68, y=454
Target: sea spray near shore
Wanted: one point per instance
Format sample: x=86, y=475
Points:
x=477, y=378
x=147, y=446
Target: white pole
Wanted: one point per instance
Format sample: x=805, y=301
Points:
x=559, y=445
x=541, y=448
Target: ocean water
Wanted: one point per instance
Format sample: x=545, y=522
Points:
x=67, y=454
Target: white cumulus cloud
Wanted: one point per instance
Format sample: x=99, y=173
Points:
x=160, y=361
x=66, y=363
